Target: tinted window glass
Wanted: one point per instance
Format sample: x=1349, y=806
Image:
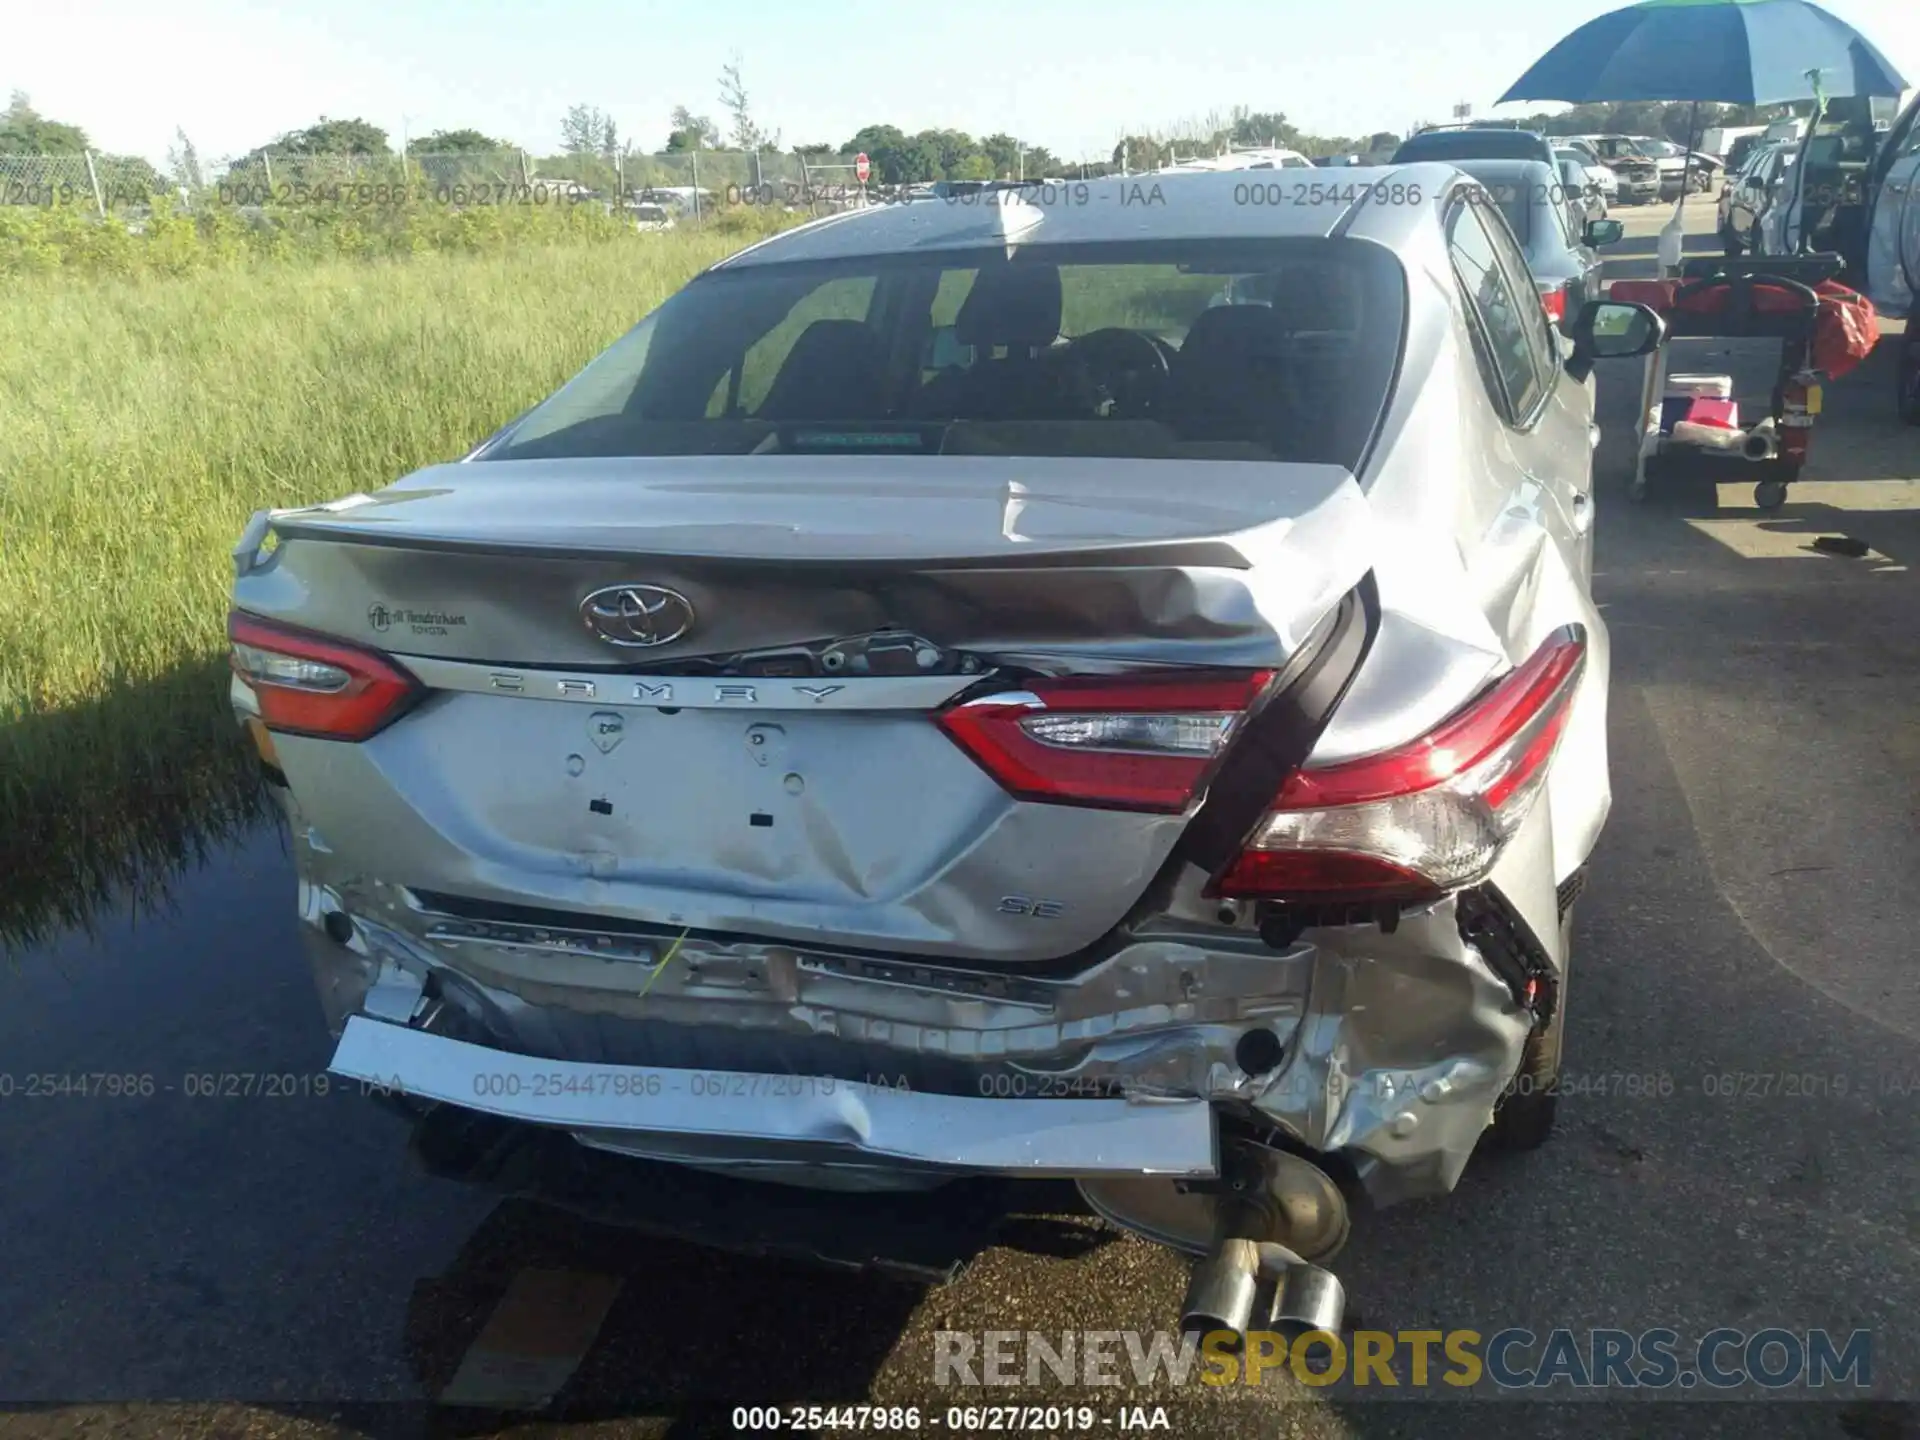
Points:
x=1246, y=350
x=1471, y=144
x=1533, y=315
x=1490, y=294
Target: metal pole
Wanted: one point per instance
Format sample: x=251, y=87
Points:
x=93, y=177
x=267, y=160
x=1799, y=207
x=696, y=185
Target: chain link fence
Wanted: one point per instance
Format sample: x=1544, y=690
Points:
x=693, y=183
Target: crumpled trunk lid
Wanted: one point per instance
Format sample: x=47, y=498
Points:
x=1217, y=562
x=548, y=770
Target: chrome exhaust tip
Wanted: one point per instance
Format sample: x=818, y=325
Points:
x=1762, y=442
x=1266, y=1223
x=1221, y=1293
x=1307, y=1299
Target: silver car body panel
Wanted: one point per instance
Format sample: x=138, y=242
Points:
x=1021, y=1137
x=851, y=940
x=1893, y=233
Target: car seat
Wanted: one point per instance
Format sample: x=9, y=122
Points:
x=836, y=370
x=1229, y=380
x=1015, y=307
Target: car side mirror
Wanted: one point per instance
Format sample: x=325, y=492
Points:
x=1612, y=330
x=1604, y=232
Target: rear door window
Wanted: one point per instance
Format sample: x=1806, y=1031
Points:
x=1498, y=311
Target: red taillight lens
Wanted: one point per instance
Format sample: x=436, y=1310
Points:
x=310, y=685
x=1414, y=822
x=1128, y=743
x=1553, y=298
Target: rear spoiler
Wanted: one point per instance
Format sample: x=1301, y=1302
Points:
x=247, y=550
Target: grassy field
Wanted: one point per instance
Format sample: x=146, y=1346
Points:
x=142, y=420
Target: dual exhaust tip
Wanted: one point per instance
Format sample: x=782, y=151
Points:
x=1227, y=1284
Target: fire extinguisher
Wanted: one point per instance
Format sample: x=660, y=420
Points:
x=1800, y=402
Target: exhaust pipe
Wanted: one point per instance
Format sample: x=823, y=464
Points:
x=1225, y=1286
x=1260, y=1228
x=1762, y=443
x=1306, y=1299
x=1221, y=1293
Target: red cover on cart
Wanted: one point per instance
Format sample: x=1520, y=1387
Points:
x=1845, y=329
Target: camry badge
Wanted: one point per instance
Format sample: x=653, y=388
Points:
x=637, y=615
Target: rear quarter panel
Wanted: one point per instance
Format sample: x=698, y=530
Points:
x=1478, y=559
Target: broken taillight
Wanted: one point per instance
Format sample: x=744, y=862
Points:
x=1412, y=823
x=1123, y=743
x=308, y=684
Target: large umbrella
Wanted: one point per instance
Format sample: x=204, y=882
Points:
x=1737, y=52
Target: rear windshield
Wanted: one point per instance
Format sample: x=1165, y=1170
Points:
x=1469, y=144
x=1275, y=349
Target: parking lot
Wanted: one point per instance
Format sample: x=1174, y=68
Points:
x=1745, y=1152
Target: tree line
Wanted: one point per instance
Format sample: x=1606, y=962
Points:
x=593, y=150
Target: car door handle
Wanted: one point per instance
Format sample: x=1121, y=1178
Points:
x=1895, y=187
x=1582, y=512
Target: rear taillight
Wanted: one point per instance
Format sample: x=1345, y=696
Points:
x=1553, y=299
x=1126, y=743
x=309, y=685
x=1412, y=823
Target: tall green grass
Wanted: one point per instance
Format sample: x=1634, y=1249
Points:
x=142, y=421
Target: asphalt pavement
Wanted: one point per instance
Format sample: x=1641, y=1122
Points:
x=1740, y=1144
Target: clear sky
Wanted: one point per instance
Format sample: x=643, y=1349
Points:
x=1072, y=77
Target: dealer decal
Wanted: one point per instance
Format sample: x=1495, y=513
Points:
x=383, y=618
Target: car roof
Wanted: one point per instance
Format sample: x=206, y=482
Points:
x=1497, y=141
x=1194, y=205
x=1503, y=168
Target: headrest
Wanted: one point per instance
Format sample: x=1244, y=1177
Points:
x=1315, y=299
x=835, y=371
x=1242, y=331
x=1017, y=305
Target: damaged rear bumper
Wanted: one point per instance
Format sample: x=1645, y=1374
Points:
x=1386, y=1049
x=803, y=1115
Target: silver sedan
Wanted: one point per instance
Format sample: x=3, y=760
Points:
x=943, y=695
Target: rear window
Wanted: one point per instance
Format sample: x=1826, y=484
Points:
x=1471, y=144
x=1277, y=349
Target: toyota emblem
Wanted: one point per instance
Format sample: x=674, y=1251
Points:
x=637, y=615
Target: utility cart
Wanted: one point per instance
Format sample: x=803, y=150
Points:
x=1753, y=297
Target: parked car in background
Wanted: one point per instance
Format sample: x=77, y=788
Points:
x=1637, y=172
x=1751, y=212
x=649, y=215
x=1597, y=176
x=1840, y=172
x=1743, y=146
x=1474, y=142
x=1582, y=192
x=1560, y=243
x=1697, y=170
x=1252, y=158
x=1247, y=818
